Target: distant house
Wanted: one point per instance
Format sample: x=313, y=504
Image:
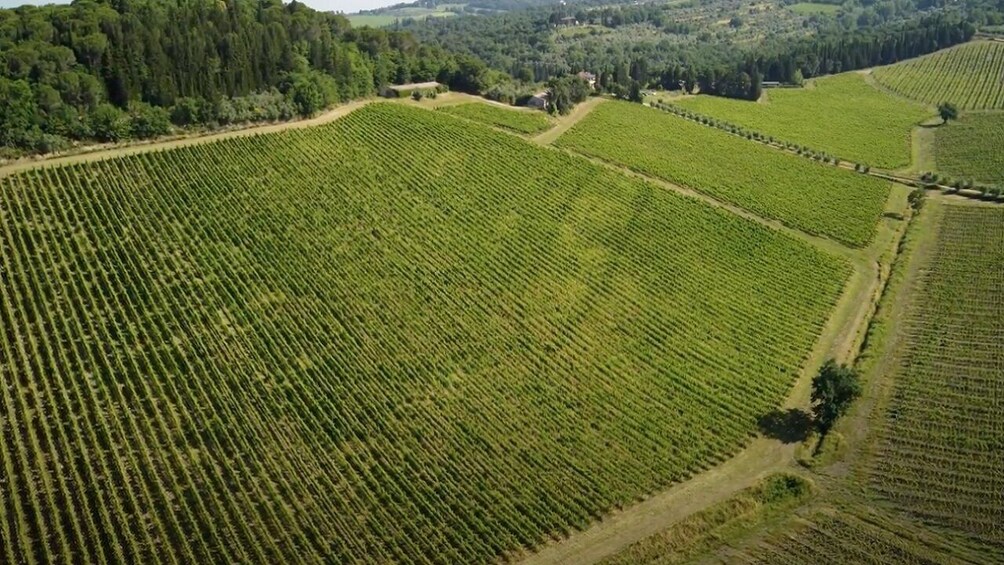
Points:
x=771, y=84
x=538, y=101
x=568, y=21
x=588, y=77
x=405, y=90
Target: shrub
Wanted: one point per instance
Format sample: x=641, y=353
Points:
x=146, y=121
x=108, y=123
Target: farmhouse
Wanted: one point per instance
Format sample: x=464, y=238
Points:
x=538, y=100
x=405, y=90
x=588, y=77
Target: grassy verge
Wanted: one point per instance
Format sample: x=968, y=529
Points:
x=707, y=530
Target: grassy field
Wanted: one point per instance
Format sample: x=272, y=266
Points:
x=939, y=457
x=395, y=336
x=972, y=148
x=386, y=18
x=842, y=115
x=372, y=20
x=519, y=121
x=816, y=198
x=810, y=8
x=971, y=76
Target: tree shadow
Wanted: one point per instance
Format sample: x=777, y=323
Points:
x=787, y=426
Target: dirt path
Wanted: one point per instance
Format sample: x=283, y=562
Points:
x=566, y=122
x=99, y=152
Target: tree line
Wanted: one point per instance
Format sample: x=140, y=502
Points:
x=519, y=44
x=111, y=69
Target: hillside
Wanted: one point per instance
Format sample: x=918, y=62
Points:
x=970, y=148
x=373, y=340
x=968, y=76
x=842, y=115
x=925, y=480
x=813, y=197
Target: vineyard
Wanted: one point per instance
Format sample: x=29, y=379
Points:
x=833, y=537
x=840, y=115
x=810, y=196
x=940, y=453
x=519, y=121
x=971, y=76
x=971, y=148
x=337, y=344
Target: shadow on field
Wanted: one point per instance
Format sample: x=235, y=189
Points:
x=788, y=426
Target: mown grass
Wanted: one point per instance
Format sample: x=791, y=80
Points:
x=710, y=528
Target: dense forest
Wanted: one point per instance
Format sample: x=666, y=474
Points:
x=108, y=70
x=113, y=69
x=662, y=47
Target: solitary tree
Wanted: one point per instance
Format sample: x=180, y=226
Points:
x=916, y=199
x=634, y=92
x=833, y=391
x=947, y=111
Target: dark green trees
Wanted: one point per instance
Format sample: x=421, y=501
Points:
x=564, y=93
x=833, y=391
x=205, y=62
x=947, y=111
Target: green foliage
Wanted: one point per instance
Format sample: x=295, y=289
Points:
x=108, y=123
x=634, y=93
x=972, y=146
x=809, y=196
x=282, y=333
x=209, y=63
x=147, y=121
x=834, y=389
x=188, y=111
x=19, y=115
x=947, y=111
x=564, y=93
x=782, y=487
x=916, y=199
x=841, y=115
x=417, y=95
x=969, y=74
x=519, y=121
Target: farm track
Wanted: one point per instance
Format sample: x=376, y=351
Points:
x=565, y=123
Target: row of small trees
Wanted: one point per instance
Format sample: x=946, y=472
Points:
x=752, y=135
x=986, y=192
